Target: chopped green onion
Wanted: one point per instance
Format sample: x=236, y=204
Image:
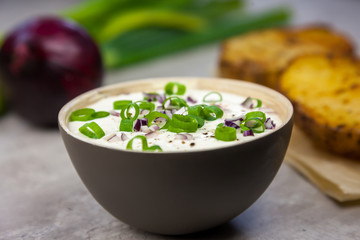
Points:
x=127, y=121
x=196, y=110
x=224, y=133
x=258, y=102
x=255, y=124
x=256, y=114
x=243, y=128
x=212, y=112
x=206, y=97
x=92, y=130
x=119, y=105
x=183, y=123
x=144, y=142
x=83, y=114
x=154, y=148
x=249, y=103
x=172, y=86
x=153, y=115
x=175, y=102
x=100, y=114
x=146, y=105
x=200, y=120
x=126, y=125
x=125, y=112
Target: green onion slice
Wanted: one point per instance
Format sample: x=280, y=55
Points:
x=83, y=114
x=146, y=105
x=256, y=114
x=224, y=133
x=258, y=102
x=200, y=120
x=175, y=88
x=206, y=98
x=255, y=124
x=92, y=130
x=243, y=128
x=249, y=102
x=125, y=112
x=126, y=125
x=185, y=123
x=175, y=102
x=206, y=112
x=212, y=112
x=153, y=115
x=144, y=142
x=100, y=114
x=119, y=105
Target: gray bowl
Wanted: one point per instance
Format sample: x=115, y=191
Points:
x=179, y=192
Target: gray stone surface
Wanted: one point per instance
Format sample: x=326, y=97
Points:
x=41, y=196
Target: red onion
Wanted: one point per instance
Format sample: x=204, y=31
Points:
x=191, y=100
x=184, y=136
x=269, y=124
x=139, y=123
x=112, y=138
x=248, y=133
x=154, y=127
x=45, y=62
x=152, y=134
x=124, y=137
x=180, y=111
x=114, y=113
x=231, y=124
x=248, y=103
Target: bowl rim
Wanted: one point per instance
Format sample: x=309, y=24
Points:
x=64, y=111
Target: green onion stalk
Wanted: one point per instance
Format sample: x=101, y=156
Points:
x=129, y=32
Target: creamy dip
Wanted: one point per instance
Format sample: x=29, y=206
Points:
x=202, y=139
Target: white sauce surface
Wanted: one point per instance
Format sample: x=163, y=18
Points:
x=202, y=139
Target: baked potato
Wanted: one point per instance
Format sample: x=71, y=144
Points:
x=325, y=92
x=261, y=56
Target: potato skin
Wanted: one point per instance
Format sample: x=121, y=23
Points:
x=261, y=56
x=328, y=110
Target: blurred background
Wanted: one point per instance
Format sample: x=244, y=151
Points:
x=342, y=15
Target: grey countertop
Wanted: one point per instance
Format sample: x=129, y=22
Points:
x=41, y=196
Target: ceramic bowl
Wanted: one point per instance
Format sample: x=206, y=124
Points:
x=179, y=192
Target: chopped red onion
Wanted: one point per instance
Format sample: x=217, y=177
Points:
x=248, y=133
x=269, y=124
x=161, y=98
x=184, y=136
x=191, y=100
x=110, y=137
x=114, y=113
x=180, y=111
x=152, y=134
x=144, y=121
x=167, y=112
x=145, y=129
x=154, y=127
x=231, y=124
x=124, y=137
x=137, y=125
x=248, y=103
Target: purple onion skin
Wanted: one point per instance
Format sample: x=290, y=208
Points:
x=45, y=62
